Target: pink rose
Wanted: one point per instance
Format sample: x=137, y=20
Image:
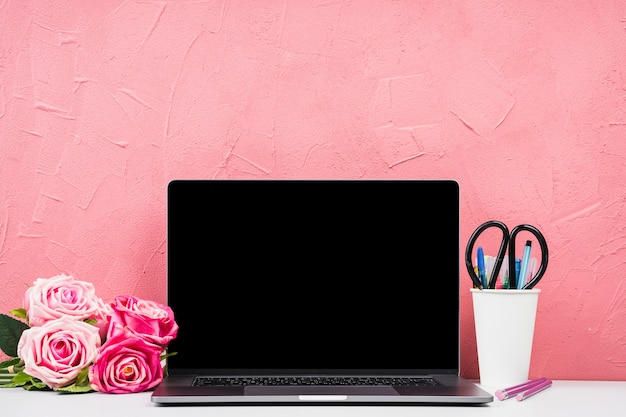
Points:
x=103, y=317
x=127, y=363
x=147, y=319
x=62, y=296
x=58, y=350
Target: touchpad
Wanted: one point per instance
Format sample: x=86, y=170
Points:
x=320, y=390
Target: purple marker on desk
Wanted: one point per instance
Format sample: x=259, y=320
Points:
x=503, y=394
x=533, y=390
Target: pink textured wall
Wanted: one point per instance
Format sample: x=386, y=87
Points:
x=522, y=102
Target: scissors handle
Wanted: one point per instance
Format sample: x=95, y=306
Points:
x=544, y=256
x=500, y=257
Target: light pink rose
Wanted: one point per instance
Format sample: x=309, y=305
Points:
x=148, y=319
x=127, y=363
x=62, y=296
x=58, y=350
x=103, y=317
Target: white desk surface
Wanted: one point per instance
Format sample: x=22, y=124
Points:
x=564, y=398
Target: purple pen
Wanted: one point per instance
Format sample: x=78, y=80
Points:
x=533, y=390
x=503, y=394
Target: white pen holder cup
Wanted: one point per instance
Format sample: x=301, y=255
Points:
x=505, y=325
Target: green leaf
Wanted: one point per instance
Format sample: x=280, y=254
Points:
x=167, y=355
x=20, y=379
x=10, y=333
x=10, y=362
x=83, y=377
x=20, y=313
x=37, y=385
x=79, y=386
x=75, y=389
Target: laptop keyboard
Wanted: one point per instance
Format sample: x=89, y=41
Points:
x=285, y=381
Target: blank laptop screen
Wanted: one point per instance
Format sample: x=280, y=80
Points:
x=325, y=275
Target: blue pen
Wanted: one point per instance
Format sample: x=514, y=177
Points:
x=523, y=270
x=482, y=275
x=518, y=261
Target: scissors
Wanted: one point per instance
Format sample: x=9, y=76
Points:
x=508, y=241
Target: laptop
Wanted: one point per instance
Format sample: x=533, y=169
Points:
x=314, y=292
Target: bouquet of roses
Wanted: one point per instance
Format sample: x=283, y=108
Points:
x=66, y=338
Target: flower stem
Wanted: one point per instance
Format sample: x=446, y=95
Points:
x=11, y=370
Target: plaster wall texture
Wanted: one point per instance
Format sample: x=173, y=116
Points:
x=524, y=103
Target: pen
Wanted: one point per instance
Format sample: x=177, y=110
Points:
x=533, y=390
x=523, y=270
x=532, y=268
x=480, y=255
x=503, y=394
x=504, y=275
x=489, y=263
